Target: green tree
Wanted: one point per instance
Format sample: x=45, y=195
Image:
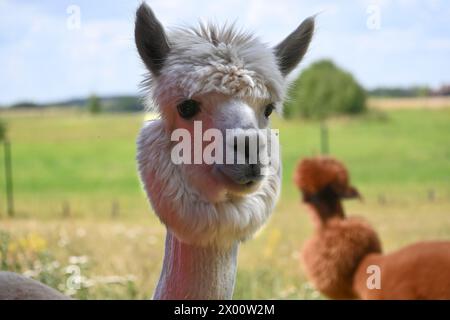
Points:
x=94, y=104
x=322, y=90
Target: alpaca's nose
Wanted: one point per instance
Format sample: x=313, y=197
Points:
x=249, y=173
x=245, y=153
x=254, y=171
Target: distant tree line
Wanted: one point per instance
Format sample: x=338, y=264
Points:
x=414, y=91
x=93, y=104
x=442, y=91
x=25, y=105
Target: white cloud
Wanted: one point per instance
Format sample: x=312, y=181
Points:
x=49, y=62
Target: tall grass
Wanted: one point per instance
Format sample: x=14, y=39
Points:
x=79, y=202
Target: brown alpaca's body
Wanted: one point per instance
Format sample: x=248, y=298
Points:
x=332, y=255
x=418, y=271
x=344, y=254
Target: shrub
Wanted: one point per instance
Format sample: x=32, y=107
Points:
x=322, y=90
x=94, y=104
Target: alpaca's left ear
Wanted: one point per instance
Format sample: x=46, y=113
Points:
x=292, y=49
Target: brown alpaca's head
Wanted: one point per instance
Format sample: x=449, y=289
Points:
x=324, y=181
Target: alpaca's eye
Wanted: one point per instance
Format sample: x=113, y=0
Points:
x=188, y=108
x=268, y=110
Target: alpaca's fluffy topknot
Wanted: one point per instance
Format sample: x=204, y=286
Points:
x=313, y=175
x=209, y=58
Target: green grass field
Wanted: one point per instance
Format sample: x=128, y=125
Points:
x=78, y=200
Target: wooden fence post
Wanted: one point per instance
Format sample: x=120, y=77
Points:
x=115, y=209
x=8, y=178
x=324, y=146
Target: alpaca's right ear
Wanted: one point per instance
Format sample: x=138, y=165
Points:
x=151, y=40
x=292, y=49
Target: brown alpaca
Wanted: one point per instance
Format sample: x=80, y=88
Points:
x=340, y=256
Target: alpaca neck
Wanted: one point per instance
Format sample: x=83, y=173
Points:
x=325, y=209
x=194, y=272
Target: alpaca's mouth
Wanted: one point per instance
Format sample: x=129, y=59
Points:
x=244, y=189
x=245, y=185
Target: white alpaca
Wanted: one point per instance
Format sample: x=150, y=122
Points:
x=225, y=79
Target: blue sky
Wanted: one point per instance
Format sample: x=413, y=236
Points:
x=43, y=60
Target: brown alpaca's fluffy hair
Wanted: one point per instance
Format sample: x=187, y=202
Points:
x=338, y=255
x=324, y=179
x=315, y=174
x=418, y=271
x=332, y=255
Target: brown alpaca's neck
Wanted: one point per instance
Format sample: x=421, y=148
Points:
x=326, y=206
x=194, y=272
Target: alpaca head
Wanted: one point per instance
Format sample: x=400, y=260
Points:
x=210, y=83
x=324, y=181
